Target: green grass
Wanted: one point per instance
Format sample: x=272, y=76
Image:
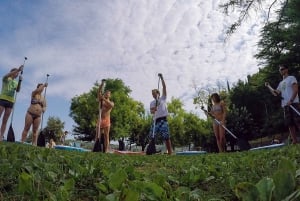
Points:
x=34, y=173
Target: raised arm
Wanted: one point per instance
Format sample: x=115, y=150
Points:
x=13, y=72
x=100, y=90
x=40, y=88
x=164, y=89
x=108, y=102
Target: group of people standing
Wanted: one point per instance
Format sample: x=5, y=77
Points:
x=158, y=108
x=7, y=100
x=287, y=88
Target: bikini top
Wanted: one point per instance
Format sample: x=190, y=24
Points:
x=35, y=100
x=217, y=108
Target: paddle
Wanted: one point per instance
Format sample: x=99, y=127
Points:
x=97, y=146
x=298, y=113
x=242, y=143
x=41, y=141
x=11, y=133
x=151, y=149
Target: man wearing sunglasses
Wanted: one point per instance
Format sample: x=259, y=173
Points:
x=288, y=89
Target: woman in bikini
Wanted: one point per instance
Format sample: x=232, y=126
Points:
x=218, y=110
x=106, y=107
x=34, y=113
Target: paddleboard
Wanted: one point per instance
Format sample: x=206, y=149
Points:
x=190, y=152
x=129, y=152
x=269, y=146
x=69, y=148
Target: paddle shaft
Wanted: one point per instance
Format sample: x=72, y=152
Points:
x=156, y=103
x=218, y=122
x=100, y=91
x=44, y=100
x=295, y=110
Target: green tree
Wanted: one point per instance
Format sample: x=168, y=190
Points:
x=187, y=128
x=176, y=122
x=240, y=123
x=140, y=134
x=126, y=116
x=54, y=129
x=197, y=131
x=279, y=43
x=84, y=112
x=245, y=7
x=244, y=95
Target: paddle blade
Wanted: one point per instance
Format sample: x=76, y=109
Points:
x=41, y=142
x=151, y=149
x=97, y=146
x=11, y=134
x=243, y=144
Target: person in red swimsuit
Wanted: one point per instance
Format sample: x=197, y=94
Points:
x=105, y=123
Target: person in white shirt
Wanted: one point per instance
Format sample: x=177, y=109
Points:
x=288, y=89
x=158, y=107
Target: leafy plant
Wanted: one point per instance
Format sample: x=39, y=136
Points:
x=34, y=173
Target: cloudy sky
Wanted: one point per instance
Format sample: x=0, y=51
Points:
x=79, y=42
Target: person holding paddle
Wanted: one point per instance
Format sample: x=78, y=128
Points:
x=218, y=111
x=33, y=115
x=106, y=107
x=158, y=107
x=288, y=89
x=7, y=96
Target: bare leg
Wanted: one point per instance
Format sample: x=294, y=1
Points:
x=6, y=115
x=34, y=138
x=35, y=129
x=293, y=134
x=217, y=135
x=28, y=122
x=169, y=146
x=106, y=138
x=222, y=140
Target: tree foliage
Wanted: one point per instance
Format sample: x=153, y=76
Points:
x=244, y=7
x=54, y=129
x=280, y=41
x=83, y=111
x=279, y=44
x=187, y=128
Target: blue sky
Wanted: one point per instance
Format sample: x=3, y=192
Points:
x=80, y=42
